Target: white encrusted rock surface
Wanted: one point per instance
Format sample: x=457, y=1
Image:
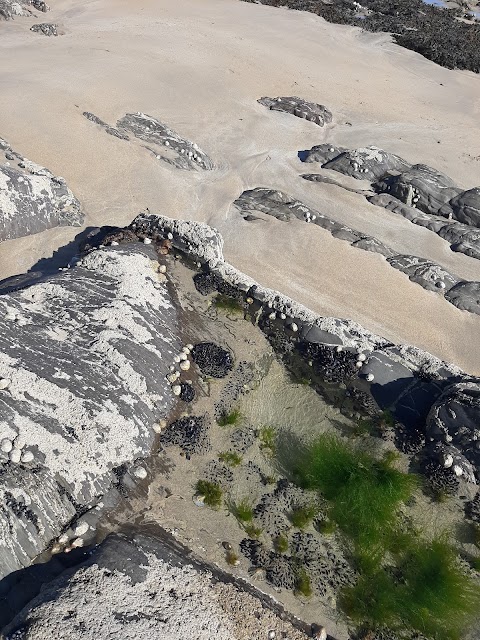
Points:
x=87, y=369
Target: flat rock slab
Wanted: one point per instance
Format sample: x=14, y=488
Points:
x=84, y=356
x=32, y=199
x=317, y=113
x=164, y=143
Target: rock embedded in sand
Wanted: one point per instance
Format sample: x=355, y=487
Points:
x=317, y=113
x=32, y=199
x=189, y=433
x=47, y=28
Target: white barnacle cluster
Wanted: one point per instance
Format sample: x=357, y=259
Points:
x=182, y=362
x=361, y=359
x=73, y=538
x=15, y=449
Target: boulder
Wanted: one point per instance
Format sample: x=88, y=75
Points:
x=466, y=207
x=32, y=199
x=465, y=296
x=46, y=28
x=426, y=273
x=86, y=353
x=317, y=113
x=366, y=163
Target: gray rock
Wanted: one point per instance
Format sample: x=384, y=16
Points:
x=32, y=199
x=317, y=113
x=11, y=8
x=86, y=354
x=367, y=163
x=47, y=28
x=110, y=130
x=426, y=188
x=180, y=152
x=465, y=296
x=426, y=273
x=369, y=243
x=466, y=207
x=454, y=420
x=322, y=153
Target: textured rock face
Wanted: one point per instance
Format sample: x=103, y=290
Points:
x=466, y=207
x=455, y=420
x=426, y=273
x=11, y=8
x=317, y=113
x=134, y=590
x=83, y=360
x=46, y=28
x=163, y=142
x=370, y=163
x=32, y=199
x=466, y=296
x=422, y=186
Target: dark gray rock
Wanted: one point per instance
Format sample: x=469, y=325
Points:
x=47, y=28
x=110, y=130
x=466, y=207
x=317, y=113
x=454, y=420
x=321, y=153
x=391, y=378
x=367, y=163
x=11, y=8
x=465, y=296
x=426, y=273
x=84, y=356
x=422, y=187
x=32, y=199
x=169, y=146
x=369, y=243
x=212, y=359
x=189, y=433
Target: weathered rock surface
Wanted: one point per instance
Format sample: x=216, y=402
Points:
x=368, y=163
x=465, y=207
x=32, y=199
x=47, y=28
x=163, y=142
x=426, y=273
x=83, y=360
x=317, y=113
x=11, y=8
x=454, y=420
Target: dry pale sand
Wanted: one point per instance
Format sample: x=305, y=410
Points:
x=200, y=66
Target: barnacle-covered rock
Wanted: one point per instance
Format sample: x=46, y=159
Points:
x=189, y=433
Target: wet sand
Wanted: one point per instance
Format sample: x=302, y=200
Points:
x=200, y=66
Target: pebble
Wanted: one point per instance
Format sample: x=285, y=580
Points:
x=140, y=473
x=176, y=389
x=185, y=365
x=167, y=143
x=81, y=529
x=176, y=359
x=15, y=455
x=6, y=445
x=147, y=241
x=27, y=456
x=199, y=501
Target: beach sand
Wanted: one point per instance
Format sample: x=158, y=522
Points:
x=200, y=66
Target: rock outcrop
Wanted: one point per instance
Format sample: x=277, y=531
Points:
x=46, y=28
x=165, y=144
x=32, y=199
x=83, y=361
x=317, y=113
x=428, y=274
x=11, y=8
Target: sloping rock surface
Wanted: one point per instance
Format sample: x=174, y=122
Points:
x=32, y=199
x=83, y=360
x=11, y=8
x=317, y=113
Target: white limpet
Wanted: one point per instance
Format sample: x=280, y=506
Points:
x=448, y=461
x=176, y=389
x=162, y=423
x=370, y=377
x=114, y=243
x=147, y=241
x=362, y=357
x=172, y=367
x=157, y=428
x=184, y=356
x=167, y=143
x=170, y=236
x=64, y=538
x=6, y=445
x=359, y=364
x=185, y=365
x=176, y=359
x=271, y=634
x=15, y=455
x=27, y=456
x=339, y=349
x=81, y=529
x=162, y=268
x=294, y=327
x=79, y=542
x=189, y=346
x=272, y=316
x=458, y=471
x=185, y=349
x=283, y=316
x=140, y=473
x=5, y=383
x=332, y=149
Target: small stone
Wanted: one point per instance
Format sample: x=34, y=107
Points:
x=199, y=501
x=81, y=529
x=170, y=236
x=283, y=316
x=140, y=473
x=167, y=143
x=440, y=284
x=27, y=456
x=15, y=455
x=176, y=389
x=370, y=377
x=185, y=365
x=147, y=241
x=6, y=445
x=172, y=367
